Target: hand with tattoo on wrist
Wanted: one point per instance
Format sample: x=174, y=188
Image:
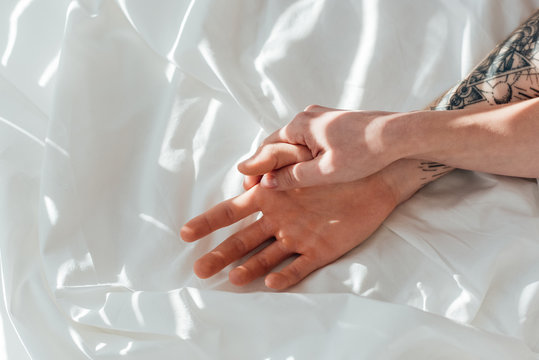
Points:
x=348, y=145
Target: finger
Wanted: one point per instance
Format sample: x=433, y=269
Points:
x=232, y=249
x=304, y=174
x=292, y=273
x=259, y=264
x=250, y=181
x=221, y=215
x=274, y=156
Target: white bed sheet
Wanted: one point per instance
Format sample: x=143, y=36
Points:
x=120, y=120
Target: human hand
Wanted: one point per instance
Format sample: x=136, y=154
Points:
x=322, y=146
x=319, y=224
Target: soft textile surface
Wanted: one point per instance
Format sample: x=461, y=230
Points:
x=120, y=120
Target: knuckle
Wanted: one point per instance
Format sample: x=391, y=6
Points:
x=237, y=245
x=274, y=156
x=294, y=273
x=263, y=263
x=285, y=245
x=312, y=107
x=229, y=213
x=286, y=241
x=208, y=223
x=287, y=177
x=303, y=118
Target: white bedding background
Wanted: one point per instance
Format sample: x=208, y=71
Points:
x=120, y=120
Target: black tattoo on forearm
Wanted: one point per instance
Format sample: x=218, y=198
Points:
x=509, y=73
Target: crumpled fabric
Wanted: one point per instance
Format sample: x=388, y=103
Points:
x=120, y=120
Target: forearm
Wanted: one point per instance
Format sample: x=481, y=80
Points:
x=499, y=140
x=508, y=74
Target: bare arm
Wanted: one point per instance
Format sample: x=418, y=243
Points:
x=347, y=145
x=499, y=140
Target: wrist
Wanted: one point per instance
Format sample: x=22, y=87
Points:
x=402, y=179
x=439, y=135
x=402, y=134
x=405, y=177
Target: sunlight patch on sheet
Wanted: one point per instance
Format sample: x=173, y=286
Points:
x=170, y=71
x=123, y=279
x=356, y=274
x=286, y=31
x=184, y=321
x=49, y=71
x=527, y=297
x=459, y=309
x=19, y=9
x=80, y=313
x=52, y=210
x=366, y=48
x=126, y=349
x=436, y=30
x=56, y=147
x=195, y=296
x=172, y=158
x=104, y=315
x=170, y=55
x=22, y=131
x=423, y=293
x=202, y=135
x=158, y=224
x=72, y=267
x=135, y=303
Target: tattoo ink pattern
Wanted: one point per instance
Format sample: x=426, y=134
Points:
x=509, y=73
x=435, y=169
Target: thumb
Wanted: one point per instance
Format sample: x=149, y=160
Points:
x=250, y=181
x=274, y=156
x=299, y=175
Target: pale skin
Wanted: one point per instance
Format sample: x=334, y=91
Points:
x=349, y=145
x=363, y=178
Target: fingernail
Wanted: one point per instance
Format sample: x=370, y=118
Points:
x=275, y=281
x=268, y=181
x=268, y=282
